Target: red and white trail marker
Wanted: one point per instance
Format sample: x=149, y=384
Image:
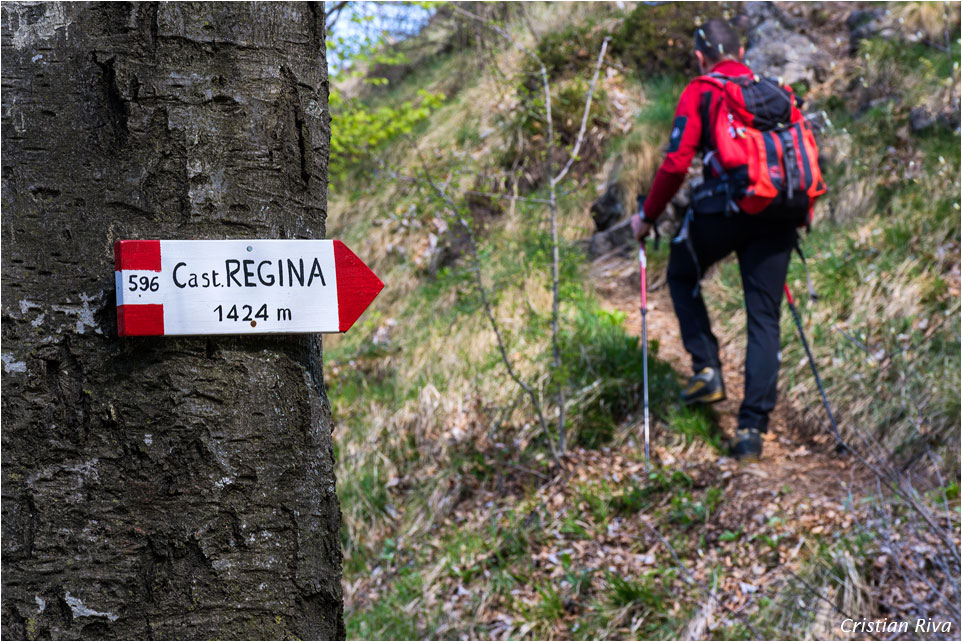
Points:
x=239, y=287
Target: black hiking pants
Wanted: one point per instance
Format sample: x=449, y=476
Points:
x=763, y=247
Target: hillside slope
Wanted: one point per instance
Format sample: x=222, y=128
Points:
x=459, y=520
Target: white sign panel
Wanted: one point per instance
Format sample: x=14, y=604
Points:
x=239, y=287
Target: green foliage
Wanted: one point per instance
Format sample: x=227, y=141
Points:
x=494, y=549
x=662, y=92
x=647, y=593
x=729, y=536
x=568, y=106
x=659, y=39
x=604, y=369
x=580, y=580
x=597, y=499
x=513, y=539
x=895, y=78
x=358, y=131
x=366, y=492
x=572, y=526
x=364, y=381
x=916, y=217
x=649, y=596
x=686, y=511
x=551, y=605
x=529, y=118
x=632, y=500
x=386, y=617
x=651, y=39
x=360, y=128
x=952, y=491
x=571, y=49
x=697, y=423
x=638, y=498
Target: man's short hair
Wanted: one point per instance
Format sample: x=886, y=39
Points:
x=716, y=39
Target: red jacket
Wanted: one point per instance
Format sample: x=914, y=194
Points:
x=686, y=137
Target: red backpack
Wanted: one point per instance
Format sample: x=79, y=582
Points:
x=762, y=144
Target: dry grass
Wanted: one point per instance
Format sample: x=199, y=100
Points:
x=853, y=194
x=936, y=22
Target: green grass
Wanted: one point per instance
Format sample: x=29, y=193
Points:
x=598, y=501
x=386, y=618
x=688, y=510
x=551, y=606
x=662, y=92
x=696, y=424
x=604, y=369
x=649, y=596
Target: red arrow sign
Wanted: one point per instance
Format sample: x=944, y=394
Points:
x=239, y=287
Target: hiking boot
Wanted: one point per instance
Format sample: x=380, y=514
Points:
x=747, y=445
x=704, y=387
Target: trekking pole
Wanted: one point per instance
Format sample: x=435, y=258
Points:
x=643, y=263
x=818, y=380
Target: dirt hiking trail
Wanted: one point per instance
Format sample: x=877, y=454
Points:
x=800, y=483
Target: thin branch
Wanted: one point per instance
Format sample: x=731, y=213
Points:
x=335, y=8
x=498, y=30
x=527, y=22
x=584, y=117
x=814, y=591
x=553, y=181
x=893, y=480
x=696, y=582
x=555, y=259
x=553, y=208
x=482, y=290
x=335, y=11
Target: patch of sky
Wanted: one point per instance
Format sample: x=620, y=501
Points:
x=356, y=27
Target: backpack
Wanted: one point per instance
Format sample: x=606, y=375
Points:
x=761, y=147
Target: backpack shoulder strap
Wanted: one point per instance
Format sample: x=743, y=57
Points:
x=705, y=107
x=713, y=78
x=704, y=113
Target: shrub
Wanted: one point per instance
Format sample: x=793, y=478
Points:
x=572, y=49
x=603, y=365
x=659, y=39
x=357, y=132
x=567, y=109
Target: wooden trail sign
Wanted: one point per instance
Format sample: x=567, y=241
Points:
x=239, y=287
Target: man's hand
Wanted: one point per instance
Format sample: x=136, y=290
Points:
x=640, y=227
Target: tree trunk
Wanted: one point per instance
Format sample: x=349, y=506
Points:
x=159, y=487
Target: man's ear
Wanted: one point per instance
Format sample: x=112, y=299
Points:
x=741, y=54
x=701, y=60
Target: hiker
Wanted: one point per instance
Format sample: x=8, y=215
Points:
x=762, y=241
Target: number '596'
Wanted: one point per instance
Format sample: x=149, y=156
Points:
x=143, y=283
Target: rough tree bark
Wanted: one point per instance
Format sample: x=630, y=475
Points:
x=157, y=487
